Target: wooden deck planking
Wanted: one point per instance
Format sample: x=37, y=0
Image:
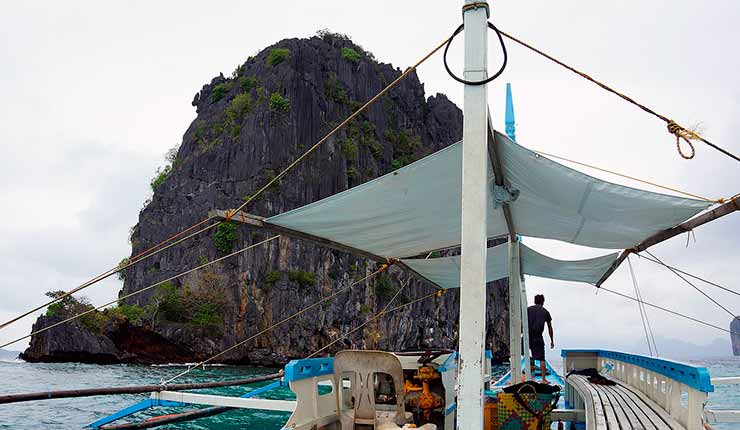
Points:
x=599, y=419
x=644, y=414
x=630, y=416
x=661, y=413
x=620, y=407
x=626, y=422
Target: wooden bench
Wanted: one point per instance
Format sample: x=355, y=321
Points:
x=619, y=407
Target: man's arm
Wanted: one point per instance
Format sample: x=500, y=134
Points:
x=552, y=338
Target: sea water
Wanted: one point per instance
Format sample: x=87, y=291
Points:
x=17, y=377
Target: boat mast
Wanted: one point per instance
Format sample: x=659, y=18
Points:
x=474, y=220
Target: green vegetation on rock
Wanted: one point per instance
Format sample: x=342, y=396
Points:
x=219, y=91
x=277, y=56
x=272, y=277
x=278, y=103
x=351, y=55
x=225, y=237
x=160, y=177
x=303, y=279
x=240, y=107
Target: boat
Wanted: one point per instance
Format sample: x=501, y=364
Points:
x=475, y=201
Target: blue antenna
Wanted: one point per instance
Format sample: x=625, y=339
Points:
x=510, y=127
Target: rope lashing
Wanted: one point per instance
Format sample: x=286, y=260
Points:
x=673, y=128
x=483, y=81
x=477, y=5
x=684, y=134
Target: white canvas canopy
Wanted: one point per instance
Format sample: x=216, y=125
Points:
x=445, y=271
x=416, y=209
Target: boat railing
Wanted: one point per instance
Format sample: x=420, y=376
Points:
x=313, y=409
x=680, y=389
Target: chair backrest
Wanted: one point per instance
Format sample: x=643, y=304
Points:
x=363, y=365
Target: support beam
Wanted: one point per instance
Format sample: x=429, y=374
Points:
x=472, y=327
x=259, y=222
x=136, y=389
x=714, y=214
x=720, y=416
x=727, y=380
x=256, y=221
x=515, y=312
x=525, y=332
x=498, y=176
x=231, y=402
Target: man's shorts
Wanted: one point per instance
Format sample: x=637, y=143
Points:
x=537, y=348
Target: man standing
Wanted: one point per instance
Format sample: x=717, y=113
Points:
x=537, y=316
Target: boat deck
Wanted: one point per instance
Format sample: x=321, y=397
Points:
x=619, y=407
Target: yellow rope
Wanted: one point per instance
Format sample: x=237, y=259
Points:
x=382, y=269
x=681, y=133
x=686, y=193
x=179, y=275
x=342, y=124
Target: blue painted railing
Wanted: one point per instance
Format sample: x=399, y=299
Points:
x=693, y=376
x=308, y=368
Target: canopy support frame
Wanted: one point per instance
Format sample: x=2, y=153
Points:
x=727, y=208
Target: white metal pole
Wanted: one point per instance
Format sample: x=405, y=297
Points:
x=525, y=331
x=474, y=227
x=515, y=312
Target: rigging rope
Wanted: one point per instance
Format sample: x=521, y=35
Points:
x=363, y=324
x=643, y=312
x=693, y=286
x=639, y=307
x=342, y=124
x=382, y=269
x=696, y=320
x=675, y=190
x=134, y=260
x=171, y=278
x=377, y=316
x=681, y=133
x=690, y=275
x=140, y=257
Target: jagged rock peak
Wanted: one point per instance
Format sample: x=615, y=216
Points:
x=248, y=128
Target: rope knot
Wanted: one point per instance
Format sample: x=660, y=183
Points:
x=682, y=133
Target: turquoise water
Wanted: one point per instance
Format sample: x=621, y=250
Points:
x=75, y=413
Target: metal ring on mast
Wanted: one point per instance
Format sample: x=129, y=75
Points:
x=484, y=81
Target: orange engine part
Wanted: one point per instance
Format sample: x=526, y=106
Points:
x=427, y=400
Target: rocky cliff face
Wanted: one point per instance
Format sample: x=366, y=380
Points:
x=248, y=127
x=734, y=337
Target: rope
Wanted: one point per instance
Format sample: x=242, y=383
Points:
x=180, y=275
x=675, y=190
x=377, y=316
x=483, y=81
x=639, y=306
x=382, y=269
x=681, y=133
x=690, y=275
x=342, y=124
x=134, y=260
x=363, y=324
x=670, y=311
x=733, y=315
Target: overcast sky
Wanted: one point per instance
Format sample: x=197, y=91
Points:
x=94, y=93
